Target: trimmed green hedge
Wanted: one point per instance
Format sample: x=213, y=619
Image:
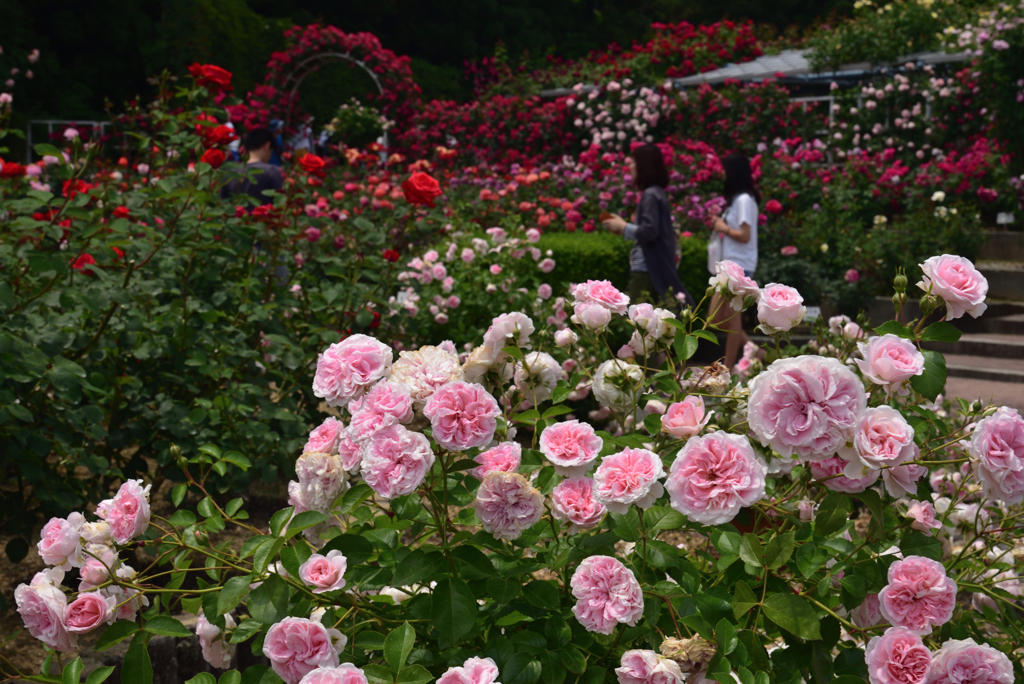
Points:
x=603, y=256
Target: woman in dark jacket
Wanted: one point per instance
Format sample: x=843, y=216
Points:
x=652, y=261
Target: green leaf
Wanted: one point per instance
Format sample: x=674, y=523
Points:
x=231, y=677
x=279, y=520
x=543, y=594
x=751, y=551
x=370, y=641
x=115, y=634
x=303, y=521
x=685, y=346
x=245, y=630
x=72, y=672
x=210, y=450
x=661, y=518
x=833, y=514
x=725, y=635
x=398, y=646
x=627, y=525
x=414, y=674
x=178, y=494
x=166, y=625
x=237, y=459
x=916, y=543
x=521, y=668
x=136, y=667
x=555, y=411
x=268, y=602
x=779, y=550
x=453, y=610
x=100, y=675
x=895, y=328
x=873, y=501
x=503, y=590
x=232, y=594
x=377, y=674
x=573, y=659
x=705, y=335
x=743, y=599
x=203, y=678
x=513, y=618
x=793, y=614
x=727, y=543
x=931, y=383
x=940, y=332
x=416, y=567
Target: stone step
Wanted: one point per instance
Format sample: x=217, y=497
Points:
x=986, y=368
x=1001, y=316
x=1002, y=246
x=1006, y=325
x=1005, y=279
x=995, y=346
x=988, y=391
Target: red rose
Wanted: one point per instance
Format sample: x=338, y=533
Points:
x=213, y=157
x=390, y=255
x=121, y=212
x=82, y=262
x=420, y=188
x=773, y=206
x=211, y=77
x=218, y=135
x=11, y=170
x=313, y=165
x=119, y=253
x=73, y=188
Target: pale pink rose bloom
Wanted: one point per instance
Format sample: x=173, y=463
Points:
x=43, y=607
x=807, y=405
x=462, y=416
x=779, y=308
x=346, y=369
x=601, y=292
x=396, y=461
x=544, y=291
x=829, y=472
x=297, y=646
x=454, y=302
x=439, y=272
x=968, y=662
x=730, y=280
x=505, y=458
x=346, y=673
x=573, y=501
x=571, y=446
x=647, y=667
x=536, y=376
x=87, y=612
x=546, y=265
x=295, y=498
x=128, y=512
x=836, y=323
x=919, y=595
x=564, y=338
x=957, y=282
x=473, y=671
x=425, y=370
x=591, y=315
x=532, y=235
x=853, y=331
x=616, y=384
x=629, y=477
x=883, y=438
x=325, y=437
x=806, y=509
x=467, y=255
x=324, y=573
x=508, y=329
x=902, y=480
x=868, y=613
x=388, y=403
x=685, y=418
x=890, y=361
x=60, y=543
x=606, y=594
x=322, y=479
x=997, y=451
x=897, y=657
x=213, y=643
x=95, y=571
x=714, y=476
x=507, y=504
x=923, y=515
x=495, y=269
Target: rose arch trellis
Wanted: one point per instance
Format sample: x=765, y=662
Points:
x=307, y=50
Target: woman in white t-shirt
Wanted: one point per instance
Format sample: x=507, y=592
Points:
x=737, y=229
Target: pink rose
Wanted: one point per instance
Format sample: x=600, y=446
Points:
x=322, y=479
x=467, y=254
x=425, y=370
x=544, y=291
x=606, y=594
x=89, y=611
x=591, y=315
x=546, y=265
x=348, y=368
x=890, y=361
x=439, y=272
x=571, y=446
x=829, y=472
x=128, y=512
x=685, y=418
x=388, y=403
x=919, y=595
x=324, y=573
x=346, y=673
x=43, y=606
x=60, y=543
x=901, y=480
x=601, y=292
x=732, y=283
x=647, y=667
x=509, y=329
x=96, y=571
x=325, y=437
x=807, y=405
x=297, y=646
x=462, y=416
x=851, y=276
x=997, y=451
x=507, y=505
x=629, y=477
x=867, y=614
x=806, y=509
x=396, y=461
x=923, y=515
x=883, y=438
x=504, y=458
x=564, y=338
x=897, y=657
x=214, y=643
x=968, y=662
x=473, y=671
x=532, y=235
x=573, y=501
x=714, y=476
x=779, y=308
x=957, y=282
x=349, y=451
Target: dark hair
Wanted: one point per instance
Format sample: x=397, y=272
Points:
x=257, y=138
x=738, y=178
x=650, y=167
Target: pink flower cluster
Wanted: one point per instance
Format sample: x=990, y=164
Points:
x=346, y=673
x=890, y=361
x=571, y=446
x=297, y=646
x=505, y=457
x=957, y=283
x=919, y=596
x=324, y=573
x=348, y=368
x=462, y=416
x=714, y=476
x=780, y=308
x=647, y=667
x=734, y=285
x=685, y=418
x=997, y=451
x=396, y=461
x=473, y=671
x=606, y=594
x=629, y=478
x=507, y=505
x=573, y=501
x=128, y=512
x=594, y=303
